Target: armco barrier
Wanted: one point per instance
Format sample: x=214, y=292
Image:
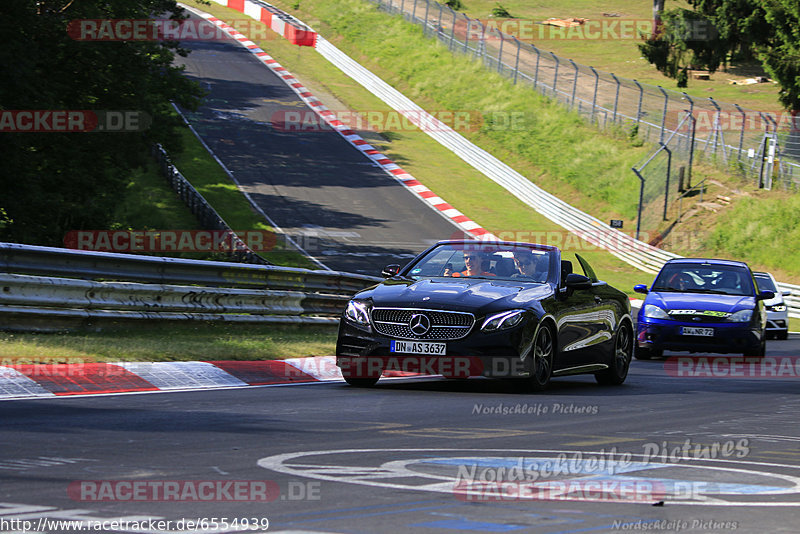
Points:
x=45, y=289
x=49, y=261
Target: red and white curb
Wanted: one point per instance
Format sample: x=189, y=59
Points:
x=27, y=381
x=435, y=201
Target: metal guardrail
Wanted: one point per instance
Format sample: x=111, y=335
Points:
x=41, y=285
x=206, y=215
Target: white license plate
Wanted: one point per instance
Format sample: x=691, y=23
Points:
x=419, y=347
x=697, y=331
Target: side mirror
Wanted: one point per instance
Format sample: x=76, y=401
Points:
x=390, y=270
x=765, y=295
x=786, y=293
x=640, y=288
x=577, y=281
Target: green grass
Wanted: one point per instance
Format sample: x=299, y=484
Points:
x=211, y=181
x=151, y=204
x=185, y=342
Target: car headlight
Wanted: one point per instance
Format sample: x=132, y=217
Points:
x=502, y=321
x=654, y=312
x=357, y=312
x=741, y=316
x=779, y=307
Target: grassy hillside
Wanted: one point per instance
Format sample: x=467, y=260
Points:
x=555, y=149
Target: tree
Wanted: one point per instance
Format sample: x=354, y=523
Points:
x=51, y=183
x=715, y=32
x=781, y=55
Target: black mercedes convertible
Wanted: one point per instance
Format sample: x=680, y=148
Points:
x=487, y=308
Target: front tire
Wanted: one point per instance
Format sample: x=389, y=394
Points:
x=783, y=334
x=541, y=361
x=761, y=351
x=623, y=352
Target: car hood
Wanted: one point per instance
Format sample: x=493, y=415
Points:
x=669, y=300
x=475, y=295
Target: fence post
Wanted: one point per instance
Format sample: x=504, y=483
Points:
x=414, y=12
x=616, y=97
x=439, y=20
x=741, y=132
x=641, y=200
x=500, y=53
x=555, y=74
x=574, y=84
x=663, y=114
x=536, y=74
x=451, y=45
x=425, y=23
x=641, y=97
x=666, y=187
x=691, y=152
x=718, y=130
x=403, y=8
x=466, y=37
x=594, y=95
x=516, y=61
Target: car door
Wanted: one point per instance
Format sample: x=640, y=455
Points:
x=581, y=324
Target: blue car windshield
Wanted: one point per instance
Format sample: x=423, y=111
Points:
x=489, y=261
x=704, y=278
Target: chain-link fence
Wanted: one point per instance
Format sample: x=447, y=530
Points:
x=763, y=146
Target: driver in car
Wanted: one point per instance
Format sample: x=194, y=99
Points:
x=476, y=264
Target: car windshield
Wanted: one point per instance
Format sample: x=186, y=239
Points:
x=765, y=283
x=704, y=278
x=526, y=263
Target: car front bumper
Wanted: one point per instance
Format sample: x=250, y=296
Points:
x=498, y=355
x=777, y=321
x=659, y=334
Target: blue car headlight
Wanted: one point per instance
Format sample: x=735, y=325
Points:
x=779, y=307
x=741, y=316
x=502, y=321
x=654, y=312
x=357, y=311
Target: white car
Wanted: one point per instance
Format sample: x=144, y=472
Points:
x=777, y=314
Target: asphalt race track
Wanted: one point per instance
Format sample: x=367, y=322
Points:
x=337, y=204
x=333, y=458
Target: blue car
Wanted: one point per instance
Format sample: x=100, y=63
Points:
x=702, y=305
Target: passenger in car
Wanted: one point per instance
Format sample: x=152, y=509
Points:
x=530, y=265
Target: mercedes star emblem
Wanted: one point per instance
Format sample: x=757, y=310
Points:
x=419, y=324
